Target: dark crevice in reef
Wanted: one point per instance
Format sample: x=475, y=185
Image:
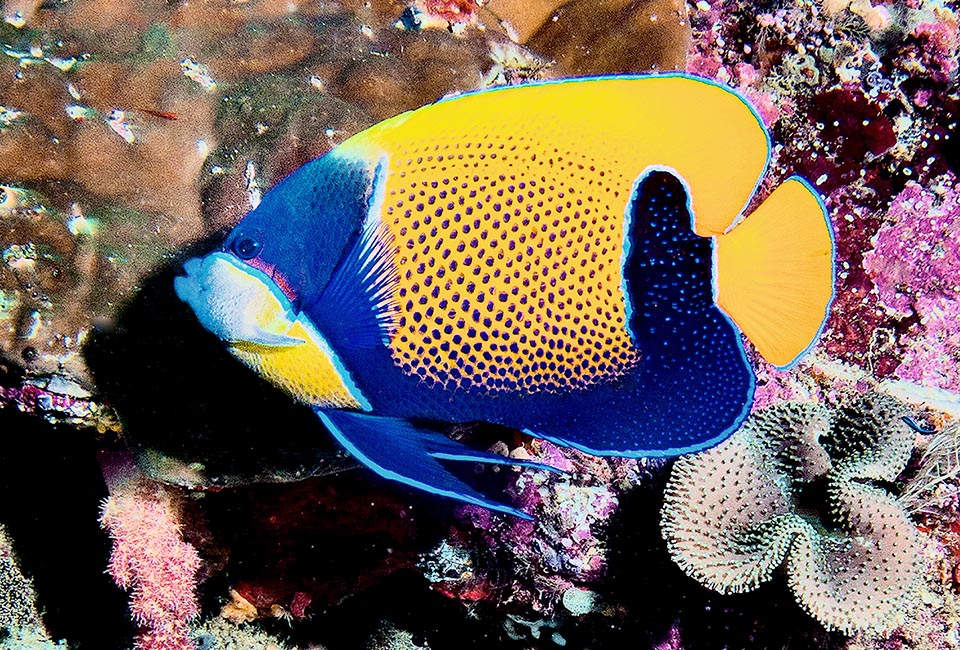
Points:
x=658, y=595
x=50, y=492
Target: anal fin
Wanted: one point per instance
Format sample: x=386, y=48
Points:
x=397, y=450
x=775, y=272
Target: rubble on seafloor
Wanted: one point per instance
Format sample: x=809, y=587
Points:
x=134, y=132
x=18, y=609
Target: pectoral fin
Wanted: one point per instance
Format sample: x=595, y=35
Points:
x=260, y=336
x=400, y=451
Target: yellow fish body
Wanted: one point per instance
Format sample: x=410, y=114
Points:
x=565, y=258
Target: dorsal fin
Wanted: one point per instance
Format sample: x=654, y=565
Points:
x=614, y=127
x=775, y=272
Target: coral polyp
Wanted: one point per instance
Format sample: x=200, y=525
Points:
x=799, y=487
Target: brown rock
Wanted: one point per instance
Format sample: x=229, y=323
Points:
x=28, y=153
x=27, y=9
x=615, y=37
x=210, y=20
x=525, y=17
x=46, y=275
x=274, y=49
x=108, y=27
x=275, y=10
x=40, y=90
x=413, y=69
x=105, y=86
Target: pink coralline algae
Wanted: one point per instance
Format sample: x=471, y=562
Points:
x=151, y=560
x=566, y=508
x=914, y=266
x=745, y=78
x=57, y=399
x=932, y=361
x=561, y=547
x=773, y=385
x=915, y=253
x=939, y=44
x=453, y=11
x=857, y=320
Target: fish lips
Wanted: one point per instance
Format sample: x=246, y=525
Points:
x=235, y=301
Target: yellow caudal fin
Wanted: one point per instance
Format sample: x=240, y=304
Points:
x=775, y=272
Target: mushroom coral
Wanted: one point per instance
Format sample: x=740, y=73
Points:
x=801, y=486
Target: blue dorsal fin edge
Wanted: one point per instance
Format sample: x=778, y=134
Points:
x=400, y=451
x=358, y=306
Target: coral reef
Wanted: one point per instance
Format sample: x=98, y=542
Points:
x=130, y=130
x=846, y=89
x=57, y=399
x=798, y=486
x=112, y=129
x=550, y=558
x=219, y=634
x=933, y=489
x=913, y=266
x=390, y=638
x=18, y=611
x=648, y=36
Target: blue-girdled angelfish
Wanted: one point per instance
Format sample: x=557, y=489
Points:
x=567, y=258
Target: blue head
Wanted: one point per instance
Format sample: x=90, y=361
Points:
x=281, y=254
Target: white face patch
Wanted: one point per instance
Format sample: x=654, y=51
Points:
x=236, y=302
x=246, y=309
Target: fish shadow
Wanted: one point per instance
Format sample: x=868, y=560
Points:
x=191, y=413
x=51, y=489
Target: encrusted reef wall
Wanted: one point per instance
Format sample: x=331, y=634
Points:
x=134, y=133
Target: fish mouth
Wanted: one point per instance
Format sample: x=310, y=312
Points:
x=236, y=302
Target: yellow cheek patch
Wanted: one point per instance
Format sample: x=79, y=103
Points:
x=263, y=334
x=310, y=372
x=269, y=313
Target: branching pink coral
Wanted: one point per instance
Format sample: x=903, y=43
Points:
x=151, y=560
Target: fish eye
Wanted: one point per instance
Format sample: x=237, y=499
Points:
x=246, y=248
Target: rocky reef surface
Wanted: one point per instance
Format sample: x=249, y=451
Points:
x=143, y=508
